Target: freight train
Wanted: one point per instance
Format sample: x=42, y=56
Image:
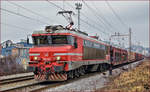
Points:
x=60, y=53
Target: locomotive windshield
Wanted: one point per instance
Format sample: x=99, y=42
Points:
x=53, y=40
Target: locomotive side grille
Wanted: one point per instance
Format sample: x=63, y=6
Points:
x=93, y=53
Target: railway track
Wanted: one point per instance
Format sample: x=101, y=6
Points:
x=34, y=86
x=55, y=84
x=30, y=85
x=10, y=79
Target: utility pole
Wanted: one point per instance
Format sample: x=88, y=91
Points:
x=63, y=4
x=123, y=35
x=129, y=42
x=149, y=44
x=28, y=40
x=78, y=7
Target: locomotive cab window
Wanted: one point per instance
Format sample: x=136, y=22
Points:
x=59, y=39
x=40, y=40
x=75, y=43
x=53, y=40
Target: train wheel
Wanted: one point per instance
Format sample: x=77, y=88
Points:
x=71, y=75
x=82, y=70
x=85, y=69
x=102, y=68
x=105, y=67
x=76, y=73
x=98, y=69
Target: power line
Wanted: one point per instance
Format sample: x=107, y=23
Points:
x=28, y=10
x=87, y=17
x=55, y=5
x=80, y=19
x=117, y=16
x=18, y=14
x=97, y=28
x=93, y=26
x=14, y=26
x=96, y=14
x=103, y=17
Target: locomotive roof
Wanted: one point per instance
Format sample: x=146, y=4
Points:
x=68, y=31
x=76, y=33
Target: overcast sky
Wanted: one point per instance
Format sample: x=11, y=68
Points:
x=103, y=21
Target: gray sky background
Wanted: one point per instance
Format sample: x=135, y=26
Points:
x=134, y=14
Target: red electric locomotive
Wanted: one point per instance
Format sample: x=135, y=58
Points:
x=60, y=54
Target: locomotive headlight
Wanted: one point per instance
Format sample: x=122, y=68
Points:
x=58, y=58
x=35, y=58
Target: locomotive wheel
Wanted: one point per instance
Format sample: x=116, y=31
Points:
x=79, y=71
x=76, y=73
x=82, y=71
x=99, y=68
x=71, y=75
x=105, y=67
x=102, y=68
x=85, y=69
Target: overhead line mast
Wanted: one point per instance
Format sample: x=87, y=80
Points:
x=95, y=26
x=78, y=7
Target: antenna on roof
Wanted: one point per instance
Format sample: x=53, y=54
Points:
x=68, y=16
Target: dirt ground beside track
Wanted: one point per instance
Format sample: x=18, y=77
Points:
x=135, y=80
